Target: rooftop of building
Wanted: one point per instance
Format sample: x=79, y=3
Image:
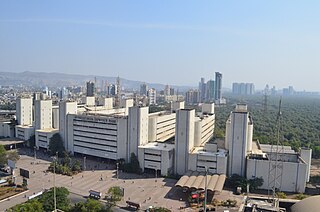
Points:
x=160, y=113
x=48, y=130
x=158, y=146
x=202, y=151
x=10, y=141
x=24, y=126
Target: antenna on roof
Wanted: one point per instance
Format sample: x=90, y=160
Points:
x=276, y=163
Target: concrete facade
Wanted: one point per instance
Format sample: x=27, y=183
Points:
x=24, y=114
x=43, y=137
x=137, y=128
x=43, y=114
x=24, y=132
x=184, y=139
x=158, y=157
x=65, y=108
x=161, y=126
x=293, y=179
x=101, y=136
x=237, y=135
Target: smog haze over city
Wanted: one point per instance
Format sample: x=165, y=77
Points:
x=169, y=42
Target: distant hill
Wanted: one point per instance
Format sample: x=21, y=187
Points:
x=41, y=79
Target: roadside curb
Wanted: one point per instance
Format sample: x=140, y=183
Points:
x=14, y=196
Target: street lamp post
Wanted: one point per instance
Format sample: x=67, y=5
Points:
x=54, y=182
x=35, y=153
x=117, y=171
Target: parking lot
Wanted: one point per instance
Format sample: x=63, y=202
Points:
x=146, y=190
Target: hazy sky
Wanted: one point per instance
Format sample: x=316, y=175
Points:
x=174, y=42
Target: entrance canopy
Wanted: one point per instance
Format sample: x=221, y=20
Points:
x=196, y=180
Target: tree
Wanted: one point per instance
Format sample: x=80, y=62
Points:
x=63, y=203
x=76, y=166
x=255, y=183
x=56, y=145
x=91, y=205
x=30, y=206
x=13, y=155
x=3, y=156
x=116, y=193
x=160, y=209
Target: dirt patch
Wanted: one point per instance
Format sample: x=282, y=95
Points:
x=315, y=167
x=7, y=191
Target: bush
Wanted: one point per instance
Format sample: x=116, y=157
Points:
x=300, y=196
x=281, y=195
x=132, y=167
x=229, y=203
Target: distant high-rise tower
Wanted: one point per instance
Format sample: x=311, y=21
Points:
x=90, y=88
x=118, y=95
x=152, y=96
x=218, y=85
x=143, y=89
x=202, y=89
x=210, y=90
x=167, y=90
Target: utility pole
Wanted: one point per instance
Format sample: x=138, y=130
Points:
x=205, y=191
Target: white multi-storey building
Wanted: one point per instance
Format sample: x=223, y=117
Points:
x=184, y=139
x=162, y=126
x=24, y=111
x=158, y=157
x=97, y=135
x=43, y=114
x=44, y=123
x=65, y=108
x=138, y=121
x=24, y=115
x=239, y=131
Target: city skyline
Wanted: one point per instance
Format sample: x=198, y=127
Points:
x=264, y=42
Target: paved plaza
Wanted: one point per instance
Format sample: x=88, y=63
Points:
x=100, y=177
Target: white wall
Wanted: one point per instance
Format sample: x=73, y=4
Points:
x=238, y=143
x=24, y=132
x=208, y=108
x=24, y=111
x=138, y=128
x=55, y=118
x=43, y=114
x=184, y=139
x=294, y=175
x=6, y=129
x=306, y=155
x=66, y=108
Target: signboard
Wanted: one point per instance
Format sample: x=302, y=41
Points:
x=24, y=173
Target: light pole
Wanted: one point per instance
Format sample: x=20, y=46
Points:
x=54, y=182
x=84, y=163
x=205, y=191
x=35, y=153
x=117, y=171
